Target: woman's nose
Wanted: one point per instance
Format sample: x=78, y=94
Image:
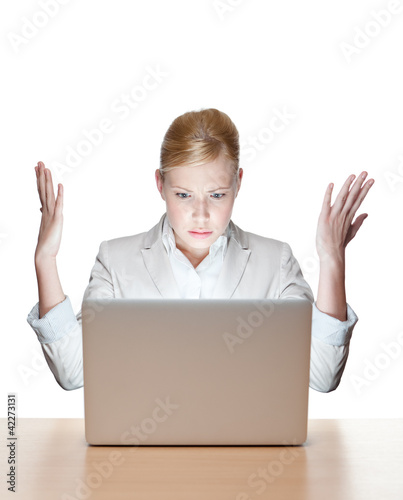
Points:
x=200, y=210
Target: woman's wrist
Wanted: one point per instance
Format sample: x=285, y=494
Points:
x=331, y=290
x=42, y=259
x=333, y=261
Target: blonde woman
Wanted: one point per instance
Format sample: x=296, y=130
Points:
x=196, y=251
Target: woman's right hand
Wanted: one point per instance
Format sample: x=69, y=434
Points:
x=50, y=231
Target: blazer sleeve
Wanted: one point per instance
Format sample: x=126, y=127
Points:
x=59, y=331
x=330, y=338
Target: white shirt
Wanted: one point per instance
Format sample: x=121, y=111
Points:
x=194, y=283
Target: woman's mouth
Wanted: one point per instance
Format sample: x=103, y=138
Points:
x=200, y=234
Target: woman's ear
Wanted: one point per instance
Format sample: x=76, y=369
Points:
x=239, y=181
x=160, y=184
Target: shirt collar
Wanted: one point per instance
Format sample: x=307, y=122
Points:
x=220, y=245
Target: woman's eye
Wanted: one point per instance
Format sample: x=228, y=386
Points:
x=184, y=196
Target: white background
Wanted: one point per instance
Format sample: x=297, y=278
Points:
x=254, y=58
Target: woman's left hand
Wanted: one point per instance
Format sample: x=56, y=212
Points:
x=335, y=228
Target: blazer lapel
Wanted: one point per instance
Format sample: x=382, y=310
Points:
x=157, y=262
x=234, y=264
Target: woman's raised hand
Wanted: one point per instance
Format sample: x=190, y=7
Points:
x=50, y=231
x=335, y=228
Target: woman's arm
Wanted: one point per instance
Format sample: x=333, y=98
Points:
x=335, y=230
x=50, y=290
x=50, y=233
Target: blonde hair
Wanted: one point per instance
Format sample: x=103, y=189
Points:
x=199, y=137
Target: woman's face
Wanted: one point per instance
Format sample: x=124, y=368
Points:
x=199, y=202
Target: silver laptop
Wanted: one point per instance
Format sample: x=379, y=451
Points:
x=196, y=371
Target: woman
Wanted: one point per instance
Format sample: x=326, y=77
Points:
x=196, y=251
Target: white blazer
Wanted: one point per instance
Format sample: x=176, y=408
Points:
x=138, y=266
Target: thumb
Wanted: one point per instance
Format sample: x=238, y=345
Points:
x=356, y=226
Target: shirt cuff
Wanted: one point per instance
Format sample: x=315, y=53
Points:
x=55, y=324
x=331, y=330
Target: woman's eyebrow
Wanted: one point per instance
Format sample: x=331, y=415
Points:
x=211, y=191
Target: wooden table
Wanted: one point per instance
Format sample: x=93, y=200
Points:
x=342, y=459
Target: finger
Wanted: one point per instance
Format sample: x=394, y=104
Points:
x=327, y=199
x=41, y=184
x=362, y=194
x=37, y=171
x=353, y=229
x=50, y=195
x=59, y=200
x=343, y=194
x=354, y=193
x=37, y=177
